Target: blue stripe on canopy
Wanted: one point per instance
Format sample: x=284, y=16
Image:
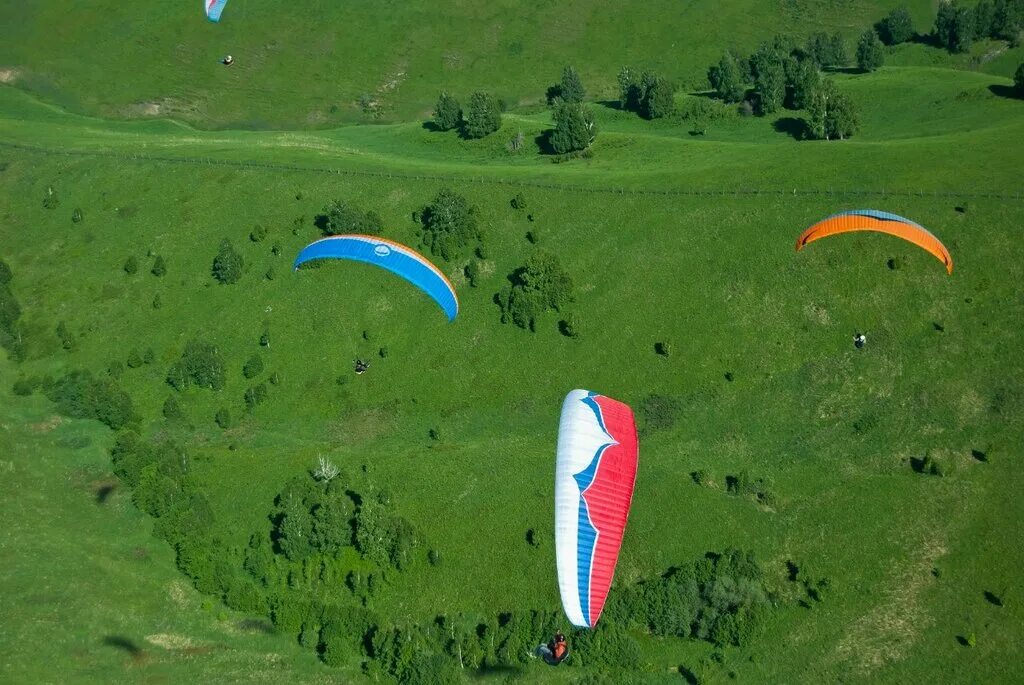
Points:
x=214, y=8
x=398, y=259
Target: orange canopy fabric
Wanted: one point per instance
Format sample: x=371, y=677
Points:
x=881, y=222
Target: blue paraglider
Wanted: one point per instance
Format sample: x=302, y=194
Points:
x=396, y=258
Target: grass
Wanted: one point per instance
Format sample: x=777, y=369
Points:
x=832, y=429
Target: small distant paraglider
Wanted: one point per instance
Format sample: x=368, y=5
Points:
x=881, y=222
x=396, y=258
x=228, y=60
x=594, y=478
x=213, y=8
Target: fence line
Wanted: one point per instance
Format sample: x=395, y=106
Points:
x=570, y=187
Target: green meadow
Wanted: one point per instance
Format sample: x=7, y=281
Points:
x=123, y=113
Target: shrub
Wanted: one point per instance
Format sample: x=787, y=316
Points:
x=447, y=112
x=434, y=434
x=157, y=302
x=701, y=477
x=343, y=217
x=255, y=395
x=201, y=364
x=228, y=264
x=131, y=265
x=383, y=352
x=223, y=418
x=134, y=359
x=434, y=557
x=472, y=272
x=265, y=338
x=172, y=410
x=518, y=202
x=258, y=233
x=159, y=267
x=540, y=285
x=484, y=116
x=569, y=326
x=23, y=387
x=658, y=100
x=253, y=367
x=954, y=26
x=115, y=369
x=659, y=412
x=449, y=225
x=5, y=273
x=149, y=356
x=275, y=378
x=67, y=340
x=50, y=200
x=664, y=348
x=81, y=395
x=77, y=216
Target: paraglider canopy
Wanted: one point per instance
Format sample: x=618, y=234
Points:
x=880, y=222
x=213, y=8
x=396, y=258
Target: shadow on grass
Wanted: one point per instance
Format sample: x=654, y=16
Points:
x=257, y=625
x=688, y=676
x=993, y=598
x=1004, y=91
x=791, y=126
x=543, y=142
x=104, y=492
x=610, y=104
x=123, y=643
x=432, y=127
x=964, y=642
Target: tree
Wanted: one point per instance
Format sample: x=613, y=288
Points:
x=659, y=98
x=343, y=217
x=570, y=89
x=82, y=395
x=172, y=410
x=1018, y=80
x=5, y=273
x=831, y=114
x=827, y=51
x=484, y=115
x=982, y=21
x=897, y=26
x=726, y=78
x=223, y=418
x=954, y=28
x=1008, y=20
x=253, y=367
x=131, y=265
x=769, y=79
x=628, y=91
x=540, y=285
x=159, y=267
x=806, y=78
x=227, y=265
x=255, y=395
x=449, y=225
x=201, y=364
x=574, y=128
x=869, y=51
x=447, y=112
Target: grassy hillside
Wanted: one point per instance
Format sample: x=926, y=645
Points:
x=667, y=235
x=320, y=63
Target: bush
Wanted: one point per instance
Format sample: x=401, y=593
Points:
x=569, y=326
x=23, y=387
x=727, y=79
x=223, y=418
x=341, y=217
x=658, y=100
x=10, y=311
x=5, y=273
x=149, y=356
x=659, y=412
x=81, y=395
x=50, y=200
x=115, y=369
x=134, y=359
x=228, y=264
x=131, y=265
x=449, y=225
x=172, y=410
x=258, y=233
x=253, y=367
x=255, y=395
x=518, y=202
x=447, y=112
x=664, y=348
x=434, y=557
x=275, y=378
x=77, y=216
x=159, y=267
x=157, y=301
x=540, y=285
x=484, y=115
x=472, y=272
x=897, y=27
x=383, y=352
x=67, y=341
x=201, y=364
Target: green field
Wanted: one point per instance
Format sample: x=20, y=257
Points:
x=667, y=236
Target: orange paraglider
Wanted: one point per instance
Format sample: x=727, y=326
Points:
x=881, y=222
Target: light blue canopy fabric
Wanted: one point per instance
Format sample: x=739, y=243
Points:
x=396, y=258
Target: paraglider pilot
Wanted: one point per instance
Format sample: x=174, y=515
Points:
x=859, y=340
x=555, y=651
x=227, y=61
x=361, y=366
